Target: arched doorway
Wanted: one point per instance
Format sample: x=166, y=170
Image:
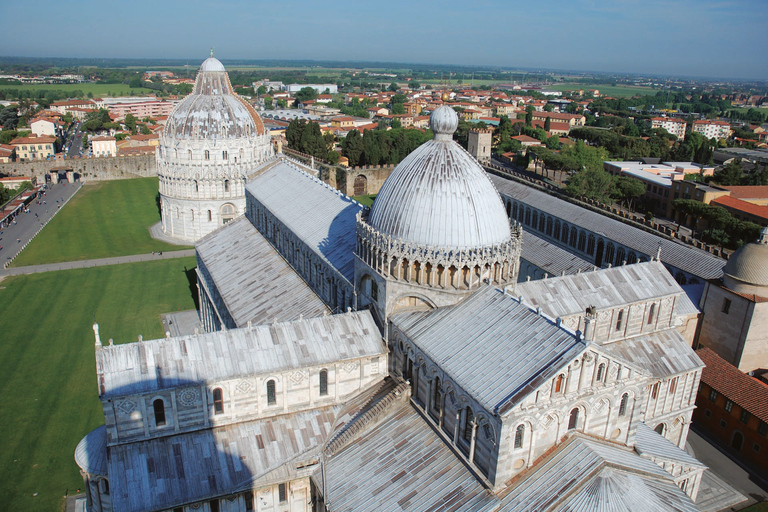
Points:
x=228, y=212
x=360, y=185
x=738, y=441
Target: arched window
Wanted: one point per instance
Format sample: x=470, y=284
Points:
x=560, y=384
x=651, y=313
x=582, y=241
x=218, y=401
x=210, y=215
x=159, y=408
x=436, y=394
x=623, y=404
x=620, y=256
x=574, y=237
x=271, y=396
x=469, y=419
x=549, y=226
x=224, y=155
x=207, y=155
x=197, y=187
x=660, y=429
x=226, y=185
x=601, y=372
x=573, y=419
x=619, y=320
x=323, y=382
x=519, y=436
x=564, y=233
x=591, y=245
x=535, y=221
x=189, y=152
x=738, y=441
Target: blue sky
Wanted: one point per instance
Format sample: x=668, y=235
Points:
x=720, y=38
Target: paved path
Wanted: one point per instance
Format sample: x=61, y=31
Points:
x=15, y=237
x=100, y=262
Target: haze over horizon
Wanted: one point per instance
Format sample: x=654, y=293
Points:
x=707, y=38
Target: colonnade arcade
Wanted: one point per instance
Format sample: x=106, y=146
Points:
x=438, y=267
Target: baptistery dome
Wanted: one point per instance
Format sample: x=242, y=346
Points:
x=439, y=195
x=213, y=110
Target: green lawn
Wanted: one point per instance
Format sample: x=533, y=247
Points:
x=103, y=220
x=47, y=366
x=365, y=200
x=97, y=90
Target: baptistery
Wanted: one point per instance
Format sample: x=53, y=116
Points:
x=211, y=141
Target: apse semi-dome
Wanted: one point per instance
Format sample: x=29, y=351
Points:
x=747, y=269
x=439, y=195
x=213, y=110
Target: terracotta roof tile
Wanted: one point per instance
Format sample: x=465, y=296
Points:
x=747, y=392
x=742, y=206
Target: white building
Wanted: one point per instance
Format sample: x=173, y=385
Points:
x=449, y=387
x=713, y=129
x=673, y=125
x=320, y=88
x=104, y=146
x=212, y=140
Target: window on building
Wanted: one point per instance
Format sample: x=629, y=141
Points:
x=728, y=405
x=469, y=419
x=660, y=429
x=436, y=394
x=712, y=395
x=623, y=404
x=726, y=306
x=655, y=390
x=619, y=320
x=224, y=155
x=226, y=185
x=218, y=401
x=210, y=215
x=207, y=155
x=197, y=186
x=560, y=383
x=248, y=497
x=762, y=428
x=159, y=408
x=673, y=385
x=282, y=493
x=519, y=435
x=651, y=313
x=214, y=505
x=271, y=396
x=745, y=417
x=323, y=382
x=601, y=372
x=573, y=419
x=105, y=486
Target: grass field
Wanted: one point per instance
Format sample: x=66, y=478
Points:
x=102, y=220
x=608, y=90
x=97, y=90
x=365, y=200
x=47, y=366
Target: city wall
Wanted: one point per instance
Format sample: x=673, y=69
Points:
x=89, y=169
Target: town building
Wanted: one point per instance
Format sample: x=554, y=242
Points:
x=41, y=126
x=7, y=153
x=673, y=125
x=572, y=119
x=212, y=140
x=387, y=359
x=34, y=148
x=712, y=129
x=479, y=144
x=103, y=146
x=732, y=409
x=319, y=88
x=141, y=108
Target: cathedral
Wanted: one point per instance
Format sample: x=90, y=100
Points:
x=385, y=359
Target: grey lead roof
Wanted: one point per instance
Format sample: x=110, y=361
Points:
x=686, y=258
x=605, y=288
x=551, y=258
x=317, y=214
x=254, y=281
x=662, y=353
x=401, y=464
x=157, y=364
x=586, y=475
x=491, y=346
x=651, y=444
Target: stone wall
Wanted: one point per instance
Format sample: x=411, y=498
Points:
x=90, y=169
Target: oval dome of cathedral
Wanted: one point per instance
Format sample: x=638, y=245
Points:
x=749, y=264
x=213, y=110
x=440, y=196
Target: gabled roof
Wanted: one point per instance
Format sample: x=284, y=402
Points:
x=401, y=464
x=604, y=288
x=320, y=216
x=747, y=392
x=146, y=366
x=654, y=446
x=585, y=475
x=255, y=283
x=661, y=353
x=492, y=346
x=676, y=254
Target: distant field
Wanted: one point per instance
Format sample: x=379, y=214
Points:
x=762, y=110
x=609, y=90
x=95, y=89
x=48, y=370
x=103, y=220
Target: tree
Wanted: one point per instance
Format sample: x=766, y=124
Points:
x=730, y=174
x=352, y=147
x=548, y=124
x=548, y=108
x=393, y=87
x=268, y=102
x=261, y=90
x=9, y=118
x=396, y=123
x=595, y=184
x=306, y=93
x=415, y=85
x=398, y=108
x=529, y=116
x=553, y=142
x=130, y=123
x=628, y=190
x=135, y=82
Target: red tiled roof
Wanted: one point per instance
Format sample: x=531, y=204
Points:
x=747, y=392
x=34, y=140
x=748, y=192
x=526, y=138
x=743, y=206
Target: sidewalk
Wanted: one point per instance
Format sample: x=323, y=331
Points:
x=101, y=262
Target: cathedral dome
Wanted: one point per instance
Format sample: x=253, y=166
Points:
x=439, y=196
x=747, y=269
x=213, y=110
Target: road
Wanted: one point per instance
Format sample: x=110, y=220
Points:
x=15, y=236
x=75, y=148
